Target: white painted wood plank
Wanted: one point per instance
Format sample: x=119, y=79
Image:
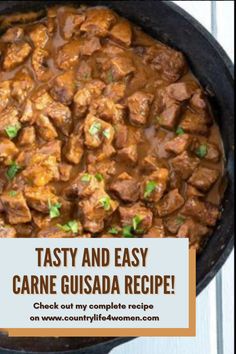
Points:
x=201, y=10
x=202, y=344
x=228, y=305
x=225, y=25
x=225, y=312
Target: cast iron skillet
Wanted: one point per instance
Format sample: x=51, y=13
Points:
x=170, y=24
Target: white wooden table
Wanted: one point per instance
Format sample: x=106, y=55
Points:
x=215, y=321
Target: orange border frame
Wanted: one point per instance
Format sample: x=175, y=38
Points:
x=123, y=332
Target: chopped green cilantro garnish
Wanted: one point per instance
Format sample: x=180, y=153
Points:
x=86, y=177
x=127, y=231
x=179, y=131
x=106, y=133
x=12, y=193
x=201, y=151
x=95, y=128
x=113, y=231
x=12, y=130
x=159, y=119
x=54, y=211
x=180, y=220
x=110, y=77
x=150, y=187
x=99, y=177
x=12, y=170
x=105, y=202
x=136, y=221
x=86, y=76
x=70, y=226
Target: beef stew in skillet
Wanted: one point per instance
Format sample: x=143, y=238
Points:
x=104, y=132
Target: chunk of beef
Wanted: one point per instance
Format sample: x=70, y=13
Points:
x=98, y=21
x=170, y=116
x=205, y=212
x=108, y=110
x=156, y=231
x=96, y=210
x=149, y=164
x=90, y=46
x=119, y=67
x=127, y=214
x=97, y=131
x=65, y=172
x=179, y=144
x=16, y=208
x=203, y=178
x=194, y=123
x=27, y=136
x=70, y=22
x=24, y=230
x=84, y=96
x=42, y=100
x=52, y=148
x=74, y=149
x=8, y=118
x=155, y=185
x=51, y=19
x=170, y=63
x=210, y=151
x=13, y=34
x=198, y=101
x=115, y=91
x=28, y=115
x=39, y=198
x=82, y=100
x=41, y=169
x=39, y=35
x=22, y=85
x=184, y=164
x=40, y=64
x=126, y=187
x=182, y=91
x=193, y=230
x=16, y=54
x=84, y=71
x=105, y=167
x=139, y=107
x=5, y=93
x=61, y=116
x=57, y=232
x=68, y=55
x=213, y=153
x=122, y=33
x=24, y=156
x=46, y=129
x=107, y=151
x=8, y=151
x=63, y=87
x=175, y=180
x=193, y=192
x=173, y=223
x=83, y=186
x=6, y=231
x=128, y=154
x=121, y=137
x=42, y=221
x=170, y=203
